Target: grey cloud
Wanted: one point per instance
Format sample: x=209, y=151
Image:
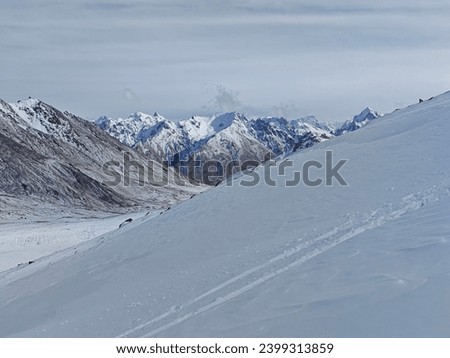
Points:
x=129, y=95
x=286, y=110
x=226, y=100
x=324, y=57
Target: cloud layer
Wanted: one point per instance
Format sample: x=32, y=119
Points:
x=179, y=58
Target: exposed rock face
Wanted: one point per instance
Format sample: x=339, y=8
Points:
x=58, y=158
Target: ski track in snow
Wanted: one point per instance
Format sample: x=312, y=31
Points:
x=285, y=261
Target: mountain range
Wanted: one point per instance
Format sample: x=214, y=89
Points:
x=58, y=159
x=222, y=138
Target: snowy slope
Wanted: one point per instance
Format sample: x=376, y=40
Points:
x=368, y=259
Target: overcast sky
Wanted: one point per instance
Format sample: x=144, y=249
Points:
x=180, y=57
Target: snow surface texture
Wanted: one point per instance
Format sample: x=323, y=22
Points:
x=370, y=259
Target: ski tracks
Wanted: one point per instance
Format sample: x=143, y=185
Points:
x=288, y=259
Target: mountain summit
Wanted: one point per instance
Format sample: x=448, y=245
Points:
x=58, y=159
x=358, y=121
x=220, y=138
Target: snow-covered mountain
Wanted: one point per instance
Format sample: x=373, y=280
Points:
x=47, y=156
x=370, y=259
x=281, y=136
x=358, y=121
x=221, y=138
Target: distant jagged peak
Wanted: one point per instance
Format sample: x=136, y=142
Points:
x=194, y=119
x=221, y=134
x=306, y=122
x=103, y=122
x=222, y=121
x=145, y=118
x=197, y=127
x=367, y=114
x=136, y=117
x=273, y=120
x=310, y=119
x=133, y=128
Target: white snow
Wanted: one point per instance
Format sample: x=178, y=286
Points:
x=127, y=130
x=25, y=111
x=22, y=241
x=368, y=259
x=197, y=128
x=231, y=135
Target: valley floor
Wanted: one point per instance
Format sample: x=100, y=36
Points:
x=24, y=240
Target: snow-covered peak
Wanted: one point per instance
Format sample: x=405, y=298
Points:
x=300, y=125
x=275, y=121
x=53, y=157
x=134, y=119
x=146, y=118
x=367, y=114
x=225, y=135
x=103, y=122
x=223, y=121
x=196, y=127
x=29, y=102
x=40, y=116
x=314, y=122
x=132, y=129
